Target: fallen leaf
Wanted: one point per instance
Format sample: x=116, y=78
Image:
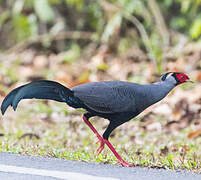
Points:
x=194, y=134
x=198, y=77
x=164, y=150
x=185, y=148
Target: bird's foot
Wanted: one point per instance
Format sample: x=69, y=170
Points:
x=124, y=163
x=120, y=160
x=102, y=145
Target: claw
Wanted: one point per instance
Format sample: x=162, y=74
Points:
x=120, y=160
x=124, y=163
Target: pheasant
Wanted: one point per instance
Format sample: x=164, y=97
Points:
x=117, y=101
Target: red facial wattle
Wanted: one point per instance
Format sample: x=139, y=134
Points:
x=182, y=77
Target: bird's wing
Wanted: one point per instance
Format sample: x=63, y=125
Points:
x=42, y=89
x=105, y=97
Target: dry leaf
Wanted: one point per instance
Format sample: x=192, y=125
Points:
x=164, y=150
x=198, y=77
x=185, y=148
x=194, y=134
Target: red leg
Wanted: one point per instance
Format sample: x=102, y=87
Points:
x=104, y=141
x=100, y=139
x=92, y=128
x=121, y=161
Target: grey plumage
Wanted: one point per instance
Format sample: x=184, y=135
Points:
x=107, y=97
x=120, y=96
x=43, y=89
x=117, y=101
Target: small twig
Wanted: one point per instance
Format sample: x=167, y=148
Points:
x=50, y=37
x=30, y=135
x=160, y=23
x=139, y=26
x=144, y=35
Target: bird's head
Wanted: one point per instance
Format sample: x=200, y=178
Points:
x=177, y=77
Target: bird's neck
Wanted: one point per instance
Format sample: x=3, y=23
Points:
x=161, y=89
x=157, y=91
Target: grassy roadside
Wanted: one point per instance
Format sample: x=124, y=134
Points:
x=63, y=135
x=157, y=138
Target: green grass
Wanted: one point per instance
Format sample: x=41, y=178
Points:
x=63, y=135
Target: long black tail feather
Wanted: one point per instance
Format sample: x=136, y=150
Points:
x=42, y=89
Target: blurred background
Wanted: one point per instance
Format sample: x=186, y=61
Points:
x=78, y=41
